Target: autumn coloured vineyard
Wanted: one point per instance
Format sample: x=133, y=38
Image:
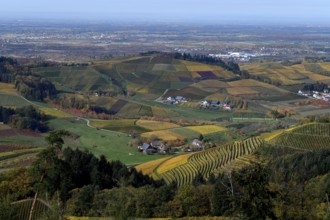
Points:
x=209, y=161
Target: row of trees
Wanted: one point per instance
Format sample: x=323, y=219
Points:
x=231, y=66
x=26, y=117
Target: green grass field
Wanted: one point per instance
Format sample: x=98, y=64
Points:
x=12, y=100
x=123, y=125
x=114, y=145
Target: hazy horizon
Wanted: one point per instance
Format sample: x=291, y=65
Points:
x=194, y=11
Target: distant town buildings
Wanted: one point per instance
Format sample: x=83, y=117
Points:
x=240, y=56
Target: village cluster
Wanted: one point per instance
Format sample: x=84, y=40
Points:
x=325, y=95
x=161, y=147
x=204, y=104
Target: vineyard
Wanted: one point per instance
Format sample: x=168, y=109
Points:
x=210, y=161
x=11, y=157
x=24, y=209
x=310, y=137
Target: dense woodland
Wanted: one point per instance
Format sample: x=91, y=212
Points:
x=24, y=118
x=29, y=85
x=35, y=87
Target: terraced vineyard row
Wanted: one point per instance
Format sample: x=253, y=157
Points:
x=303, y=141
x=315, y=129
x=208, y=161
x=309, y=137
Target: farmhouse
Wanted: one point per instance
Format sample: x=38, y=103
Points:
x=147, y=148
x=204, y=104
x=153, y=147
x=160, y=146
x=175, y=100
x=197, y=145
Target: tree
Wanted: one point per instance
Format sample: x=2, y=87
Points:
x=254, y=197
x=55, y=139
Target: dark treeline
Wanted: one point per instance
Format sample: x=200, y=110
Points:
x=316, y=87
x=24, y=118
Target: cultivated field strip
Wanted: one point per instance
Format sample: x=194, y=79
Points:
x=210, y=161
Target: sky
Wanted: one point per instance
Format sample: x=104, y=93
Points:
x=212, y=11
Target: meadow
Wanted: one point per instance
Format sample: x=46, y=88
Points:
x=156, y=125
x=10, y=100
x=122, y=125
x=114, y=145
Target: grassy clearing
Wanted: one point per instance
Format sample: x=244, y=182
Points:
x=206, y=129
x=156, y=125
x=12, y=100
x=165, y=135
x=7, y=88
x=53, y=112
x=122, y=125
x=114, y=145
